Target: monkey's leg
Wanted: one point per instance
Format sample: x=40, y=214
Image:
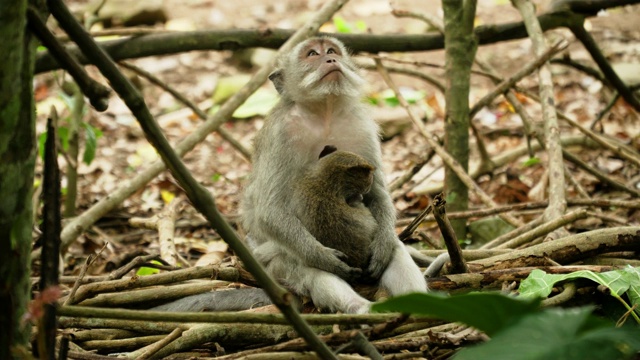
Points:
x=402, y=275
x=329, y=291
x=325, y=289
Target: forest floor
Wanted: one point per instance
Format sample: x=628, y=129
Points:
x=122, y=151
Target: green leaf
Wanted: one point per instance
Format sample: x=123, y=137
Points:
x=361, y=26
x=392, y=101
x=412, y=96
x=633, y=275
x=539, y=284
x=91, y=136
x=68, y=100
x=63, y=135
x=341, y=25
x=227, y=86
x=144, y=271
x=42, y=139
x=259, y=103
x=531, y=161
x=558, y=334
x=489, y=312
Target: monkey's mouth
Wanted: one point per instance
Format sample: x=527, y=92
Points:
x=331, y=72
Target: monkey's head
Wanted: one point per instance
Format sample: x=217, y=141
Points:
x=317, y=68
x=348, y=175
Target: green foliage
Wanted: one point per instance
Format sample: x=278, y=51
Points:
x=42, y=138
x=488, y=312
x=539, y=284
x=144, y=271
x=91, y=133
x=388, y=97
x=259, y=103
x=558, y=334
x=344, y=27
x=227, y=86
x=520, y=330
x=91, y=136
x=531, y=162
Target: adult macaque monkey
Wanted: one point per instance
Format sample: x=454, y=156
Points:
x=321, y=104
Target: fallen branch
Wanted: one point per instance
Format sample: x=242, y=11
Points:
x=565, y=250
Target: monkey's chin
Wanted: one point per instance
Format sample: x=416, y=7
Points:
x=316, y=87
x=332, y=76
x=343, y=87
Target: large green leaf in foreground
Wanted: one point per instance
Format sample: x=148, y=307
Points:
x=520, y=330
x=488, y=312
x=572, y=334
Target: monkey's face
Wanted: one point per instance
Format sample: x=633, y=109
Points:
x=320, y=67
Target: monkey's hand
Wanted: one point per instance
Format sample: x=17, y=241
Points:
x=333, y=261
x=381, y=253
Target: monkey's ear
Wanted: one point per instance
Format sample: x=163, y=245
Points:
x=276, y=78
x=327, y=150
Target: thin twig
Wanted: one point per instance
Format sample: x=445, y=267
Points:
x=544, y=229
x=97, y=93
x=90, y=259
x=155, y=347
x=458, y=265
x=556, y=189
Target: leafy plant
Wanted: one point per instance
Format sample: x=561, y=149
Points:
x=558, y=334
x=344, y=27
x=91, y=134
x=489, y=312
x=520, y=330
x=539, y=284
x=144, y=270
x=531, y=161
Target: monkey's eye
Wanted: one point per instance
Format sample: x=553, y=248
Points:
x=312, y=53
x=331, y=51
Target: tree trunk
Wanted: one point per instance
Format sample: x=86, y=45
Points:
x=460, y=49
x=17, y=159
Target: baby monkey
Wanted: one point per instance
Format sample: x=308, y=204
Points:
x=329, y=202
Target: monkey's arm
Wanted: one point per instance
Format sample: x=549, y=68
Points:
x=385, y=239
x=268, y=210
x=286, y=229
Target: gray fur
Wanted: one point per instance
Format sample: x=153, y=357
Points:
x=221, y=300
x=307, y=118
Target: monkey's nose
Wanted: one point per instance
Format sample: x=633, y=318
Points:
x=329, y=61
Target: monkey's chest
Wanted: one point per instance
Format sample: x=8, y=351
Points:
x=310, y=137
x=349, y=141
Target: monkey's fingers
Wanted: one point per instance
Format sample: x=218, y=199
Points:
x=339, y=254
x=344, y=270
x=349, y=274
x=380, y=258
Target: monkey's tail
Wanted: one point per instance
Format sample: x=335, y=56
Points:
x=222, y=300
